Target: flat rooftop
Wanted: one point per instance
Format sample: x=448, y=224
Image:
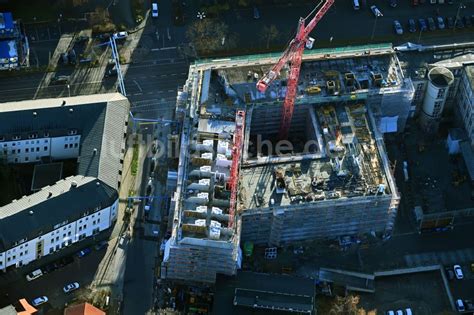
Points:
x=259, y=293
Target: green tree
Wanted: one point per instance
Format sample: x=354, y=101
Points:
x=269, y=33
x=347, y=305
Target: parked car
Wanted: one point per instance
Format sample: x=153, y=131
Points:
x=390, y=312
x=411, y=26
x=60, y=79
x=450, y=22
x=84, y=252
x=39, y=300
x=441, y=24
x=154, y=10
x=35, y=274
x=431, y=24
x=460, y=305
x=376, y=11
x=399, y=312
x=70, y=287
x=256, y=13
x=398, y=27
x=393, y=3
x=469, y=305
x=467, y=21
x=458, y=272
x=111, y=72
x=121, y=35
x=408, y=311
x=423, y=25
x=72, y=57
x=450, y=273
x=101, y=245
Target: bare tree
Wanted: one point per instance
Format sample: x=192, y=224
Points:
x=347, y=305
x=269, y=33
x=207, y=35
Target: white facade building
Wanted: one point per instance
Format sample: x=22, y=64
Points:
x=90, y=129
x=59, y=231
x=466, y=101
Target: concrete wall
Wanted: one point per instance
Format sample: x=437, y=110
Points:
x=323, y=219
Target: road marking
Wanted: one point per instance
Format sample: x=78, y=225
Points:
x=149, y=93
x=183, y=73
x=137, y=94
x=164, y=48
x=170, y=90
x=173, y=74
x=163, y=75
x=138, y=85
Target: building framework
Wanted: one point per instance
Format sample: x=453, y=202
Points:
x=332, y=178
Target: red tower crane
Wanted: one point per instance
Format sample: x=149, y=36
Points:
x=234, y=169
x=293, y=55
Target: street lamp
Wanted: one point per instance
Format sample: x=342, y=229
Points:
x=375, y=25
x=461, y=6
x=69, y=90
x=201, y=15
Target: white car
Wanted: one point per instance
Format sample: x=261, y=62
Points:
x=34, y=275
x=390, y=313
x=460, y=305
x=458, y=272
x=39, y=300
x=154, y=10
x=408, y=311
x=120, y=35
x=398, y=27
x=376, y=11
x=70, y=287
x=399, y=312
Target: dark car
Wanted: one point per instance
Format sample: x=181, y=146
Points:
x=411, y=26
x=72, y=57
x=431, y=24
x=111, y=72
x=101, y=245
x=467, y=21
x=60, y=79
x=84, y=252
x=450, y=22
x=459, y=23
x=393, y=3
x=423, y=26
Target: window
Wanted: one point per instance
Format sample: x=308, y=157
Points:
x=441, y=93
x=46, y=148
x=8, y=259
x=51, y=250
x=98, y=220
x=70, y=145
x=13, y=151
x=21, y=254
x=16, y=160
x=65, y=146
x=80, y=228
x=26, y=159
x=37, y=149
x=27, y=150
x=46, y=140
x=14, y=256
x=64, y=235
x=69, y=233
x=93, y=222
x=57, y=238
x=19, y=150
x=76, y=145
x=26, y=252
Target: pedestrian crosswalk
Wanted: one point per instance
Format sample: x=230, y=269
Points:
x=445, y=258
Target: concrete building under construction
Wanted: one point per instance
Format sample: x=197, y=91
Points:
x=331, y=177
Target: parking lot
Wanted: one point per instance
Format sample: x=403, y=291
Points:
x=463, y=289
x=58, y=270
x=423, y=292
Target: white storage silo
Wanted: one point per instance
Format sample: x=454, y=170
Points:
x=439, y=80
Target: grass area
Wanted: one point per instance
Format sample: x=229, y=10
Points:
x=134, y=164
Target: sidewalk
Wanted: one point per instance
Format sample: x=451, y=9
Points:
x=110, y=272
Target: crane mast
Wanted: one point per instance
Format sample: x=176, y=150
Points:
x=293, y=56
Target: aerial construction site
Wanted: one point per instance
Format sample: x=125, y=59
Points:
x=272, y=160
